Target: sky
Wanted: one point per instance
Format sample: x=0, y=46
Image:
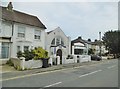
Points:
x=84, y=19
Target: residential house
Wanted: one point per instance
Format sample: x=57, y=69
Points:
x=80, y=47
x=19, y=32
x=58, y=44
x=96, y=47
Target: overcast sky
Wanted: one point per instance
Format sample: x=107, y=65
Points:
x=84, y=19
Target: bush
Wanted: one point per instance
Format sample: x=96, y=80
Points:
x=9, y=62
x=19, y=54
x=28, y=55
x=37, y=53
x=40, y=53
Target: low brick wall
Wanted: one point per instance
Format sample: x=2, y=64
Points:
x=22, y=64
x=33, y=64
x=84, y=58
x=74, y=60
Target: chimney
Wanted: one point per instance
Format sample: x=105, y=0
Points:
x=95, y=40
x=10, y=6
x=79, y=37
x=89, y=40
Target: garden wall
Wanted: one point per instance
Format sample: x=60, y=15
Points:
x=22, y=64
x=74, y=60
x=84, y=58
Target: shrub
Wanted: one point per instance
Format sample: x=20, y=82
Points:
x=40, y=53
x=19, y=54
x=9, y=62
x=18, y=68
x=37, y=53
x=28, y=55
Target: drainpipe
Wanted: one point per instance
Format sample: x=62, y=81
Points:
x=100, y=43
x=12, y=28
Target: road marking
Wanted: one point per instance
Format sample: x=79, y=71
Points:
x=33, y=74
x=53, y=84
x=89, y=73
x=44, y=72
x=111, y=66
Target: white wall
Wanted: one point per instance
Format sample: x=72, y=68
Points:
x=22, y=64
x=84, y=58
x=6, y=29
x=28, y=40
x=67, y=42
x=58, y=33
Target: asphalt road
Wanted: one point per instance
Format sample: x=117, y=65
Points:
x=104, y=74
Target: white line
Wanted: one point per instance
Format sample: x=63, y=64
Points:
x=90, y=73
x=34, y=74
x=111, y=66
x=40, y=73
x=53, y=84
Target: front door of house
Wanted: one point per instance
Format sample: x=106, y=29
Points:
x=59, y=53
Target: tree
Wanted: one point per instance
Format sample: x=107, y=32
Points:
x=91, y=51
x=111, y=40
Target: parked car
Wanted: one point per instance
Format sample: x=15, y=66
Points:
x=96, y=57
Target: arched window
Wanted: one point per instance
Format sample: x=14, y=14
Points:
x=53, y=42
x=62, y=42
x=57, y=41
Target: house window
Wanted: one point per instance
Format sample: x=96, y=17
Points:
x=21, y=32
x=62, y=43
x=5, y=50
x=26, y=48
x=37, y=34
x=53, y=42
x=78, y=51
x=57, y=41
x=18, y=48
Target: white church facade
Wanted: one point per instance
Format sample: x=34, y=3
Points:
x=58, y=44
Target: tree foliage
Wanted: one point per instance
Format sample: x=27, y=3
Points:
x=91, y=51
x=111, y=40
x=40, y=53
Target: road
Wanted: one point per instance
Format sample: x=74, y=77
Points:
x=103, y=74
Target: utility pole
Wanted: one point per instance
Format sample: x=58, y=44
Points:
x=100, y=43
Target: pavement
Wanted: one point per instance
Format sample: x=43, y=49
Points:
x=92, y=74
x=9, y=71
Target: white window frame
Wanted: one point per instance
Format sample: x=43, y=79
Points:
x=21, y=32
x=25, y=49
x=37, y=34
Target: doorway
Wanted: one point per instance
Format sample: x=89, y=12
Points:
x=59, y=53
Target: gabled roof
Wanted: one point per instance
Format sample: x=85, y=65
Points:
x=79, y=39
x=21, y=17
x=97, y=42
x=50, y=32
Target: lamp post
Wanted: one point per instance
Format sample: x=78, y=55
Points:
x=100, y=43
